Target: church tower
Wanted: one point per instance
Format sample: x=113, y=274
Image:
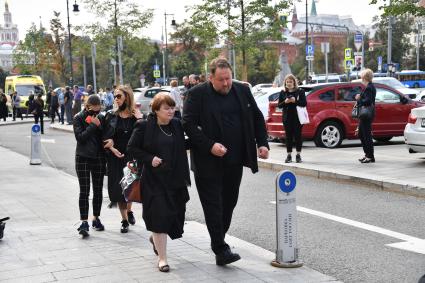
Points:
x=8, y=32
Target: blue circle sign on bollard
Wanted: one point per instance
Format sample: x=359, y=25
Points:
x=287, y=182
x=35, y=128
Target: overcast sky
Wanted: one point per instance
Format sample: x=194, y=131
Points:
x=24, y=12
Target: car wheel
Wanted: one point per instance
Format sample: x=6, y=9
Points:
x=329, y=135
x=383, y=139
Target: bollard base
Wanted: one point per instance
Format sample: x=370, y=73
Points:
x=294, y=264
x=35, y=162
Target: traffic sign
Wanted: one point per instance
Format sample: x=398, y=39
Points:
x=309, y=58
x=156, y=67
x=324, y=46
x=309, y=49
x=358, y=53
x=348, y=64
x=358, y=40
x=379, y=63
x=347, y=53
x=156, y=73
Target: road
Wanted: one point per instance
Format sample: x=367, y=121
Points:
x=330, y=245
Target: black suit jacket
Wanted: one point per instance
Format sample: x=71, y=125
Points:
x=203, y=125
x=367, y=97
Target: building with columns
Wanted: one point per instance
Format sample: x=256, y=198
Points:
x=9, y=39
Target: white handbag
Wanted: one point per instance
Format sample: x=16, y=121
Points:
x=303, y=115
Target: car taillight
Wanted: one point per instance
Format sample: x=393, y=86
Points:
x=412, y=119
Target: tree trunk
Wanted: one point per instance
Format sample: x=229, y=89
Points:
x=244, y=66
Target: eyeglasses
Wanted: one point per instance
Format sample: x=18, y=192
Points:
x=118, y=96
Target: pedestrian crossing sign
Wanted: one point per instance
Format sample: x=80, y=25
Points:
x=156, y=73
x=348, y=64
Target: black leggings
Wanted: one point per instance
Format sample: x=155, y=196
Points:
x=84, y=166
x=365, y=135
x=293, y=130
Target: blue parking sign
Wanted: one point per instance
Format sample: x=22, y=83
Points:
x=309, y=49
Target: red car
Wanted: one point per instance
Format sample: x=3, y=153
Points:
x=329, y=107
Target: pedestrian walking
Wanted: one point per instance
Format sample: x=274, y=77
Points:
x=158, y=144
x=225, y=126
x=49, y=99
x=108, y=101
x=36, y=108
x=89, y=160
x=68, y=105
x=61, y=97
x=16, y=106
x=29, y=103
x=118, y=127
x=176, y=96
x=290, y=97
x=4, y=112
x=76, y=108
x=54, y=106
x=364, y=130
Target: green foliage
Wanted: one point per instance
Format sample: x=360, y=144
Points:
x=401, y=7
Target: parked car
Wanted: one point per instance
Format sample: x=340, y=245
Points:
x=414, y=132
x=394, y=83
x=329, y=106
x=260, y=87
x=144, y=98
x=421, y=96
x=264, y=97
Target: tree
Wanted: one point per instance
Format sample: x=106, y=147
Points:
x=58, y=66
x=401, y=7
x=249, y=23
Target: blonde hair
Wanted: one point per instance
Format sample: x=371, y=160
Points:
x=129, y=98
x=367, y=75
x=174, y=83
x=290, y=77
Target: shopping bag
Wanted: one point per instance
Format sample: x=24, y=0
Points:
x=303, y=115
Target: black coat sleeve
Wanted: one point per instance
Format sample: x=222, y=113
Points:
x=191, y=120
x=301, y=101
x=135, y=145
x=281, y=101
x=260, y=131
x=83, y=134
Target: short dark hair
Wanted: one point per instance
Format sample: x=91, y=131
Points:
x=162, y=98
x=221, y=63
x=93, y=100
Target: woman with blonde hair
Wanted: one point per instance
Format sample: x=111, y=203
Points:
x=290, y=97
x=119, y=124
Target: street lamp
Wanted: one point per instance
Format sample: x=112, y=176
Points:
x=419, y=26
x=75, y=10
x=173, y=23
x=306, y=41
x=118, y=71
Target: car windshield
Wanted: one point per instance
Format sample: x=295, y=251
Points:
x=24, y=90
x=392, y=83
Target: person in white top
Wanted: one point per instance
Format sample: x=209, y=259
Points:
x=176, y=96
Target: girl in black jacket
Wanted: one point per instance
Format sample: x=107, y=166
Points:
x=89, y=159
x=289, y=98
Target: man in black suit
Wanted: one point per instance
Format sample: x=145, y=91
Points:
x=225, y=127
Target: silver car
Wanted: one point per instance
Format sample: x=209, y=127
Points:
x=394, y=83
x=144, y=97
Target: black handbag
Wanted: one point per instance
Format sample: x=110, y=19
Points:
x=367, y=112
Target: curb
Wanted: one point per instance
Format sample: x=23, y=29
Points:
x=17, y=122
x=61, y=129
x=378, y=184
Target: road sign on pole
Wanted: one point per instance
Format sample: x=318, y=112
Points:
x=309, y=49
x=379, y=63
x=348, y=64
x=156, y=73
x=35, y=145
x=309, y=58
x=324, y=46
x=348, y=53
x=358, y=39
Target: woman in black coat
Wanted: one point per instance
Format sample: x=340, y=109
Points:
x=289, y=98
x=366, y=98
x=158, y=145
x=118, y=127
x=36, y=107
x=3, y=106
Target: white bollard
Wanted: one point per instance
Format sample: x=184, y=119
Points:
x=35, y=145
x=286, y=221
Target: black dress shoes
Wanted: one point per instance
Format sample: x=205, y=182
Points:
x=226, y=257
x=368, y=160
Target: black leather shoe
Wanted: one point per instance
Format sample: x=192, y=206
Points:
x=368, y=160
x=288, y=159
x=124, y=226
x=131, y=218
x=298, y=158
x=226, y=257
x=363, y=158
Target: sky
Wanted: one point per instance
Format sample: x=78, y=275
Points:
x=25, y=12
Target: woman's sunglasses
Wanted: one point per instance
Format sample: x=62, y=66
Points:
x=117, y=96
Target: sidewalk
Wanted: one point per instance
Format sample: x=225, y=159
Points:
x=395, y=169
x=9, y=121
x=41, y=242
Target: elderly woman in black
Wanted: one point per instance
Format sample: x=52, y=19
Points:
x=289, y=98
x=158, y=144
x=366, y=99
x=118, y=127
x=89, y=160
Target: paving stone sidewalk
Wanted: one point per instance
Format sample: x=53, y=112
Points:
x=41, y=243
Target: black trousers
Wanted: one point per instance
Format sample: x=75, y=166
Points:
x=40, y=118
x=293, y=130
x=17, y=112
x=365, y=135
x=84, y=167
x=219, y=196
x=53, y=112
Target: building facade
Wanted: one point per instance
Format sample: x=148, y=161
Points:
x=9, y=39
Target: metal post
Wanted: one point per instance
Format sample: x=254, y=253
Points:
x=93, y=63
x=390, y=38
x=418, y=46
x=306, y=40
x=71, y=75
x=165, y=50
x=120, y=49
x=163, y=64
x=84, y=71
x=326, y=63
x=234, y=62
x=363, y=53
x=35, y=158
x=312, y=44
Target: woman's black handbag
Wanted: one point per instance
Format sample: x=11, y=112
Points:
x=367, y=112
x=355, y=112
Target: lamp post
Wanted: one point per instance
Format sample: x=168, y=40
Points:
x=419, y=26
x=118, y=71
x=75, y=10
x=173, y=23
x=306, y=41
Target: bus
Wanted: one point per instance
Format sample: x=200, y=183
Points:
x=24, y=85
x=412, y=79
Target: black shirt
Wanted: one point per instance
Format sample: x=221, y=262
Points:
x=233, y=140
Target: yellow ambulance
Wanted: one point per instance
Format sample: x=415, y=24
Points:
x=24, y=85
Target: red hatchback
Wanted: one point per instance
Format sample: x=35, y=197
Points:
x=329, y=107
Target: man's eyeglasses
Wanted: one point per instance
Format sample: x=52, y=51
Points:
x=118, y=96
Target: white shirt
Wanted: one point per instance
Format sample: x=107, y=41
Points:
x=175, y=95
